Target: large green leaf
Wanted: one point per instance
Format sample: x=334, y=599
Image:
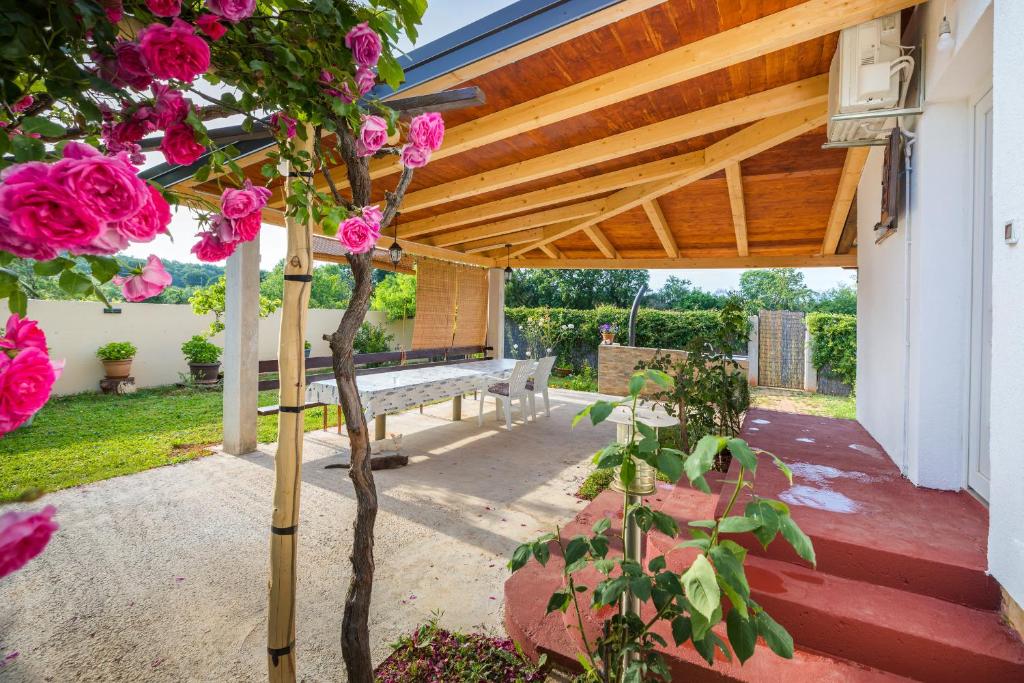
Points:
x=45, y=127
x=576, y=548
x=777, y=638
x=636, y=383
x=702, y=459
x=737, y=525
x=701, y=587
x=730, y=570
x=670, y=464
x=797, y=538
x=681, y=630
x=742, y=635
x=520, y=556
x=559, y=601
x=764, y=513
x=742, y=452
x=600, y=411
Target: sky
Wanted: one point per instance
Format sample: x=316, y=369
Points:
x=442, y=17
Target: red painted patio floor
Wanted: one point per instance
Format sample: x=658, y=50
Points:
x=900, y=591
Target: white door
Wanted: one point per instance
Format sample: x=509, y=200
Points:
x=981, y=308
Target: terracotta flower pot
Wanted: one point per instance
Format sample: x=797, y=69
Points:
x=607, y=337
x=117, y=369
x=204, y=373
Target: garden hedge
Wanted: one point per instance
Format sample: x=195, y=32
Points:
x=834, y=344
x=578, y=346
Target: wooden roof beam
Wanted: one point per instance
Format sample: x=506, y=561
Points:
x=748, y=142
x=856, y=157
x=657, y=217
x=512, y=238
x=598, y=237
x=806, y=21
x=734, y=180
x=512, y=225
x=692, y=261
x=552, y=251
x=701, y=122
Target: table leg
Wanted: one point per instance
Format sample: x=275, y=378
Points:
x=380, y=427
x=457, y=408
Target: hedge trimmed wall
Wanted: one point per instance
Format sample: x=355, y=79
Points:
x=834, y=344
x=578, y=347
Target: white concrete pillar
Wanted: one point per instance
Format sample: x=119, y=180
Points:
x=496, y=311
x=810, y=374
x=752, y=352
x=241, y=348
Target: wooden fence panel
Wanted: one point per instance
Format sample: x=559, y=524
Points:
x=781, y=349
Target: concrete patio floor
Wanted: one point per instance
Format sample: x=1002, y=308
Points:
x=161, y=575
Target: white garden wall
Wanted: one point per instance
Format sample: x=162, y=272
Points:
x=75, y=329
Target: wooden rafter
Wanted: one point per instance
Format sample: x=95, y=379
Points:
x=511, y=225
x=730, y=114
x=552, y=251
x=848, y=239
x=694, y=261
x=513, y=238
x=856, y=157
x=776, y=31
x=600, y=239
x=752, y=140
x=734, y=180
x=657, y=218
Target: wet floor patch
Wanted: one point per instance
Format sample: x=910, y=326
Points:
x=867, y=450
x=819, y=499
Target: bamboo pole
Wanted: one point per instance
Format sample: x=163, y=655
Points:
x=288, y=461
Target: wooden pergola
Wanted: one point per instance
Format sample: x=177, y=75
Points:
x=636, y=134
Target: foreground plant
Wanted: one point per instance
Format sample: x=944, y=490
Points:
x=711, y=588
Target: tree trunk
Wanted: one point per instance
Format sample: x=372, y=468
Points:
x=288, y=459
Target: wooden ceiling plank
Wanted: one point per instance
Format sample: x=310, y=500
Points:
x=734, y=180
x=803, y=22
x=657, y=217
x=856, y=157
x=598, y=237
x=752, y=140
x=729, y=114
x=509, y=225
x=691, y=261
x=606, y=182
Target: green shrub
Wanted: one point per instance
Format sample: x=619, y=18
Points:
x=372, y=339
x=834, y=344
x=199, y=351
x=116, y=351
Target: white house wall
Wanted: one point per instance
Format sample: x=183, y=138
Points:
x=1006, y=525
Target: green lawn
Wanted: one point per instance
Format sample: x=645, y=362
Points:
x=802, y=402
x=88, y=437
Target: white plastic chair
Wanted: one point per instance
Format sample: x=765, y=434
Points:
x=505, y=391
x=538, y=384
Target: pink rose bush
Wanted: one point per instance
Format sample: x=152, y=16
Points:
x=23, y=536
x=26, y=372
x=232, y=10
x=148, y=282
x=174, y=51
x=372, y=136
x=239, y=220
x=426, y=133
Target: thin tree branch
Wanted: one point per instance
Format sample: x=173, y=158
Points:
x=395, y=198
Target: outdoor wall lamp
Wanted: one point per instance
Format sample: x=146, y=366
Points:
x=508, y=263
x=395, y=250
x=945, y=42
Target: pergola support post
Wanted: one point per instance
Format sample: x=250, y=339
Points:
x=241, y=348
x=284, y=538
x=496, y=311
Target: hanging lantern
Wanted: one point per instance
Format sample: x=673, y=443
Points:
x=395, y=250
x=508, y=263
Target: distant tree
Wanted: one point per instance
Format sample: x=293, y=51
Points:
x=841, y=299
x=331, y=287
x=580, y=289
x=212, y=299
x=680, y=295
x=775, y=289
x=395, y=294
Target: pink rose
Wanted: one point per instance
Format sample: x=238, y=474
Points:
x=232, y=10
x=211, y=26
x=108, y=241
x=164, y=8
x=238, y=203
x=174, y=51
x=372, y=136
x=365, y=79
x=79, y=150
x=427, y=130
x=22, y=104
x=247, y=227
x=364, y=43
x=22, y=333
x=147, y=283
x=25, y=384
x=358, y=235
x=134, y=126
x=37, y=211
x=414, y=156
x=211, y=249
x=171, y=107
x=179, y=145
x=14, y=243
x=372, y=215
x=126, y=67
x=326, y=76
x=282, y=122
x=149, y=221
x=224, y=229
x=114, y=9
x=106, y=186
x=23, y=535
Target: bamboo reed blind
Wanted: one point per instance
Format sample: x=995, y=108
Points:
x=451, y=305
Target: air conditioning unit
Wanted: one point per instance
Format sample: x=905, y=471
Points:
x=868, y=80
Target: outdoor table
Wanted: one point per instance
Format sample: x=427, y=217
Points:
x=392, y=392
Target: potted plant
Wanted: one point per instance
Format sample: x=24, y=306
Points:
x=117, y=359
x=608, y=332
x=203, y=359
x=307, y=348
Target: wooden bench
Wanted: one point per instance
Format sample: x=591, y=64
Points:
x=371, y=363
